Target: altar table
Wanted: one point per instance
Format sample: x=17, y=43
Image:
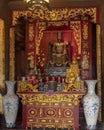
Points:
x=50, y=109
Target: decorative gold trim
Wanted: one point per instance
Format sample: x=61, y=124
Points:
x=42, y=27
x=76, y=26
x=98, y=51
x=31, y=32
x=2, y=60
x=55, y=14
x=12, y=55
x=23, y=86
x=58, y=23
x=70, y=98
x=39, y=53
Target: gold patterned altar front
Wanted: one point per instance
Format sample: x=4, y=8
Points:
x=51, y=109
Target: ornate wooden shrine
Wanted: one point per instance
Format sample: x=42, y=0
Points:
x=65, y=69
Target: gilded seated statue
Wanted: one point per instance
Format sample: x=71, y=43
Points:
x=58, y=55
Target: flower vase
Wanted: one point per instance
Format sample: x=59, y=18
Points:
x=10, y=104
x=91, y=104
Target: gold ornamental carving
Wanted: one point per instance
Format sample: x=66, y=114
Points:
x=55, y=14
x=41, y=27
x=58, y=23
x=24, y=86
x=70, y=98
x=30, y=53
x=76, y=26
x=86, y=59
x=30, y=58
x=31, y=32
x=39, y=52
x=85, y=30
x=85, y=45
